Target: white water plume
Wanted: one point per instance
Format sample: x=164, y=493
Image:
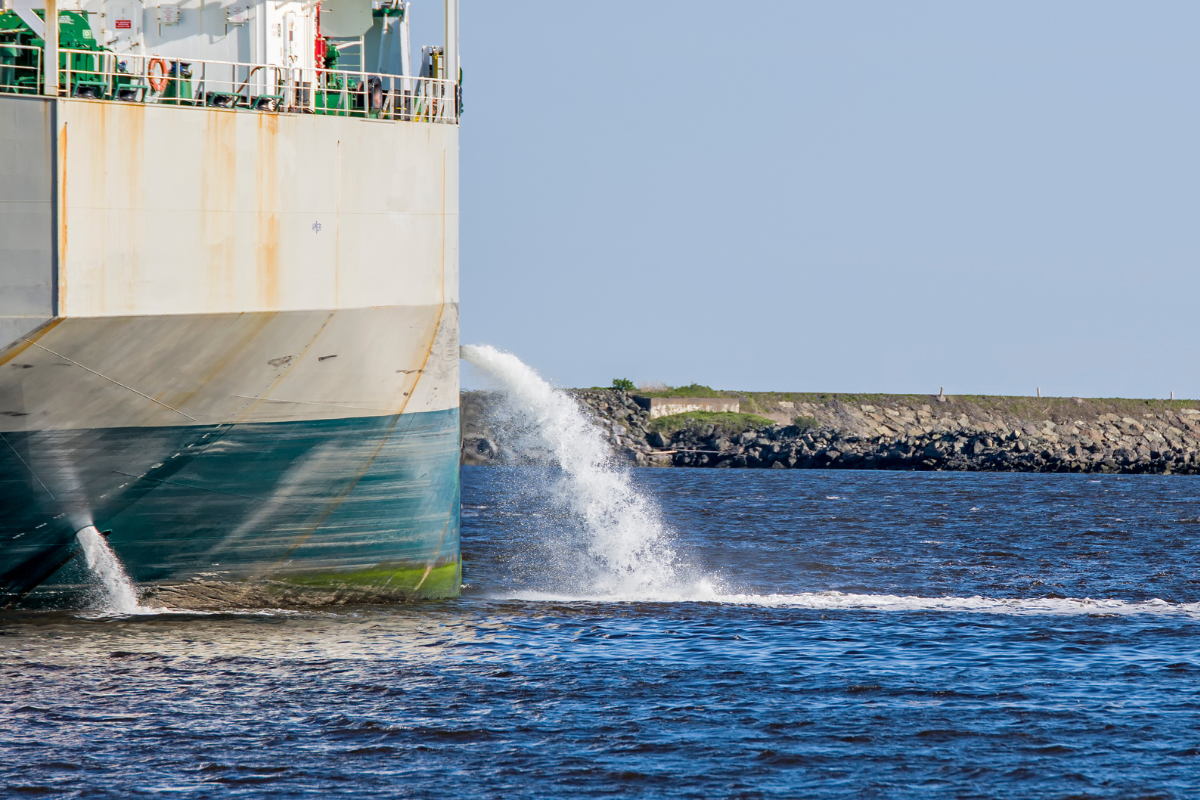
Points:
x=120, y=596
x=625, y=546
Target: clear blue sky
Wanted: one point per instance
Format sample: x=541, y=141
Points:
x=835, y=196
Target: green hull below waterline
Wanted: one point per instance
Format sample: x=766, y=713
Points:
x=282, y=514
x=366, y=587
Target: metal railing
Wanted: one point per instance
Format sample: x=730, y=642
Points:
x=17, y=74
x=150, y=79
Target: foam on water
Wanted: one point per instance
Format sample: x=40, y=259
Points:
x=626, y=548
x=119, y=595
x=836, y=601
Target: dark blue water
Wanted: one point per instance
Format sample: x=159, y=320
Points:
x=1014, y=687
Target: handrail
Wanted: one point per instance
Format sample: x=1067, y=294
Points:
x=125, y=77
x=248, y=77
x=18, y=78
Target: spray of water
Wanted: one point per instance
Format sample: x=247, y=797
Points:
x=119, y=594
x=625, y=550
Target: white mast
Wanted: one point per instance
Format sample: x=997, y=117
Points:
x=48, y=30
x=451, y=49
x=51, y=51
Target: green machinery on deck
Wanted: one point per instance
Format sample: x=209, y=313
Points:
x=95, y=72
x=21, y=52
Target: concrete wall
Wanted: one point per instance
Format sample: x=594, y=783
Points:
x=665, y=406
x=26, y=215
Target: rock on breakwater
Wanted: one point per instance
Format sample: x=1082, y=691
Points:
x=906, y=432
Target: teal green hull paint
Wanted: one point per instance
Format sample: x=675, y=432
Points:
x=232, y=503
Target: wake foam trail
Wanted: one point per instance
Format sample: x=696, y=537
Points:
x=624, y=548
x=119, y=595
x=836, y=601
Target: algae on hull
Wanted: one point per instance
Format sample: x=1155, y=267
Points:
x=365, y=587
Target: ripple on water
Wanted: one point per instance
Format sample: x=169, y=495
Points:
x=848, y=657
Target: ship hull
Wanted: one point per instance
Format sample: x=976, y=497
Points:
x=231, y=339
x=317, y=462
x=284, y=513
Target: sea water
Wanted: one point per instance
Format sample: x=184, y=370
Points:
x=670, y=633
x=885, y=635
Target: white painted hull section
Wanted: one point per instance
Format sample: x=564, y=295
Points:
x=206, y=369
x=191, y=211
x=114, y=209
x=203, y=266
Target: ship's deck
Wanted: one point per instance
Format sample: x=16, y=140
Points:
x=130, y=78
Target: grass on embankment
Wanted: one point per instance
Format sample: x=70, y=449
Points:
x=725, y=420
x=691, y=390
x=1015, y=406
x=1019, y=406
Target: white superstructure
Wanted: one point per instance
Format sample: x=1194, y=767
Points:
x=277, y=33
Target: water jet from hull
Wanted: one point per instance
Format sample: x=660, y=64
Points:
x=119, y=595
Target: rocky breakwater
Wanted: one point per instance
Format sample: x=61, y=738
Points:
x=963, y=434
x=899, y=432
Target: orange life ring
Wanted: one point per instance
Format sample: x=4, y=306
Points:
x=159, y=83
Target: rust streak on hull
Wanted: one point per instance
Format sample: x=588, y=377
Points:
x=62, y=221
x=218, y=195
x=267, y=212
